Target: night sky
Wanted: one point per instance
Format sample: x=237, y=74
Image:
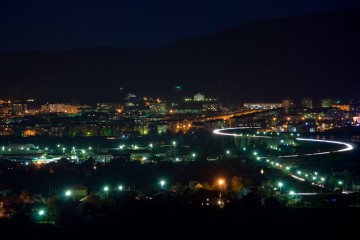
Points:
x=53, y=25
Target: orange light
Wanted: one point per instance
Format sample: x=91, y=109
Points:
x=221, y=182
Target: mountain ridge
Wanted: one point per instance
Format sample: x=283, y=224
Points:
x=312, y=55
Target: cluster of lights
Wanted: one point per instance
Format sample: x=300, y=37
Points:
x=302, y=176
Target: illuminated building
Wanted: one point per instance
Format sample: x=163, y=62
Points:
x=141, y=129
x=106, y=107
x=307, y=103
x=287, y=103
x=199, y=97
x=60, y=108
x=157, y=108
x=326, y=102
x=344, y=107
x=263, y=106
x=17, y=109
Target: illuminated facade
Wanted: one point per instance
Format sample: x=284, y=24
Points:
x=307, y=103
x=344, y=107
x=326, y=102
x=263, y=106
x=287, y=103
x=17, y=109
x=199, y=97
x=59, y=108
x=158, y=108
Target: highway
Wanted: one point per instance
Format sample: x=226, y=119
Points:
x=344, y=146
x=305, y=175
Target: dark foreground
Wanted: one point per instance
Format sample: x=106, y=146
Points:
x=201, y=223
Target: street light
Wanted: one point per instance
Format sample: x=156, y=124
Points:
x=41, y=212
x=162, y=183
x=340, y=183
x=193, y=156
x=280, y=184
x=68, y=193
x=221, y=183
x=106, y=189
x=322, y=180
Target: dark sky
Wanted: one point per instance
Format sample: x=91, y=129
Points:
x=53, y=24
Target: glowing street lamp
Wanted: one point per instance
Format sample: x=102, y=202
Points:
x=162, y=183
x=41, y=213
x=106, y=189
x=280, y=184
x=120, y=187
x=68, y=193
x=322, y=180
x=221, y=183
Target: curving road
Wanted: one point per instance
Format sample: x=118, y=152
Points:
x=344, y=146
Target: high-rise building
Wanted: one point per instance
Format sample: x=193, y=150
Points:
x=287, y=103
x=199, y=97
x=263, y=106
x=158, y=108
x=326, y=102
x=306, y=103
x=17, y=109
x=59, y=108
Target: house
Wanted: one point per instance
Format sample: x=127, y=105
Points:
x=78, y=191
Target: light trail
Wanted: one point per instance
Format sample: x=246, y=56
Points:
x=298, y=178
x=347, y=146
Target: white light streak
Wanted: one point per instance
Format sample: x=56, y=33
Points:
x=347, y=146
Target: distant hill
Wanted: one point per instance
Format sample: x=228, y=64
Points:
x=313, y=56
